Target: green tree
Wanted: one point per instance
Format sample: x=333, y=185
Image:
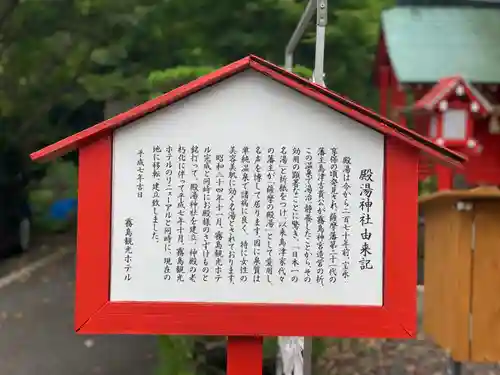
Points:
x=65, y=53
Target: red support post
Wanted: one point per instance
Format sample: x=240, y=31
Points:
x=244, y=355
x=444, y=177
x=398, y=99
x=384, y=76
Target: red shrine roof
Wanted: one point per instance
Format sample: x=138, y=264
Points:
x=293, y=81
x=446, y=87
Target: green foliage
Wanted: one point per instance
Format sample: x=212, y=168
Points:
x=352, y=36
x=61, y=178
x=175, y=355
x=60, y=182
x=132, y=49
x=319, y=346
x=70, y=52
x=429, y=185
x=270, y=347
x=161, y=81
x=302, y=71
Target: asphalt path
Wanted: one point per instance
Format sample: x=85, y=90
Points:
x=36, y=322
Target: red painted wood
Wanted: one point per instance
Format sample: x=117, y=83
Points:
x=244, y=319
x=394, y=319
x=444, y=90
x=244, y=355
x=93, y=238
x=484, y=168
x=425, y=168
x=96, y=314
x=365, y=116
x=381, y=58
x=384, y=73
x=444, y=178
x=397, y=99
x=333, y=100
x=400, y=234
x=438, y=92
x=91, y=134
x=481, y=167
x=484, y=104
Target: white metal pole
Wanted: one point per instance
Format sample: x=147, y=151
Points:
x=291, y=351
x=298, y=33
x=321, y=8
x=319, y=58
x=289, y=356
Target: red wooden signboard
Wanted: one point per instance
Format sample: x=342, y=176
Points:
x=145, y=261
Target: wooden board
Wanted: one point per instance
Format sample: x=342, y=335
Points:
x=485, y=345
x=462, y=273
x=477, y=194
x=447, y=277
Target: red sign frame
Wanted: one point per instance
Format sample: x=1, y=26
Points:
x=95, y=313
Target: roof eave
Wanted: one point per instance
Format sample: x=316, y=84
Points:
x=83, y=137
x=312, y=90
x=482, y=100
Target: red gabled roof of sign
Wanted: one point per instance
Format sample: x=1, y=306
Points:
x=446, y=86
x=307, y=88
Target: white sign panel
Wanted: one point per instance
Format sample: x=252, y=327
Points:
x=248, y=192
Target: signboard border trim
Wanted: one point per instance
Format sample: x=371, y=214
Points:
x=94, y=313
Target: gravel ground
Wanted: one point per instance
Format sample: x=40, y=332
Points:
x=394, y=357
x=36, y=323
